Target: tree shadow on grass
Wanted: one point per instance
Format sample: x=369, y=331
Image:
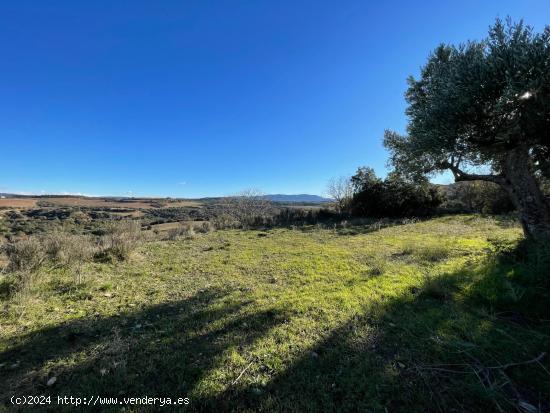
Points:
x=162, y=350
x=440, y=346
x=427, y=350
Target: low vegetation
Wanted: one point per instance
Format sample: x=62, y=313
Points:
x=29, y=258
x=442, y=314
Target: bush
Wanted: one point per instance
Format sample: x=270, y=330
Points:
x=204, y=227
x=290, y=217
x=477, y=196
x=25, y=255
x=396, y=197
x=182, y=230
x=223, y=220
x=67, y=250
x=120, y=240
x=247, y=209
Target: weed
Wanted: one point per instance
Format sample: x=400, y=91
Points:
x=377, y=265
x=435, y=287
x=428, y=252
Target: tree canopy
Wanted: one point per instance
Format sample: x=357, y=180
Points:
x=475, y=101
x=482, y=110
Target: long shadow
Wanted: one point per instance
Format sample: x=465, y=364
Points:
x=438, y=347
x=424, y=351
x=160, y=351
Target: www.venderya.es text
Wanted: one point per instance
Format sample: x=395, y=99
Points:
x=95, y=400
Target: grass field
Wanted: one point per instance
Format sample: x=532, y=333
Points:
x=413, y=317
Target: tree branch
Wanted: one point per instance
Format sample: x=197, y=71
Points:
x=460, y=175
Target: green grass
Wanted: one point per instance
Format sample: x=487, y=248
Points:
x=409, y=318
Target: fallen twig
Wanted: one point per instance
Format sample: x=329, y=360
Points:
x=505, y=366
x=242, y=372
x=444, y=370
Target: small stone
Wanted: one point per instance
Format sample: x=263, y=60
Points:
x=51, y=381
x=314, y=355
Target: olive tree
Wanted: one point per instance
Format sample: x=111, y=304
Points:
x=482, y=111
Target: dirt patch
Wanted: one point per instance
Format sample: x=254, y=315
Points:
x=69, y=201
x=18, y=202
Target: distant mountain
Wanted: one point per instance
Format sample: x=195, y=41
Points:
x=300, y=198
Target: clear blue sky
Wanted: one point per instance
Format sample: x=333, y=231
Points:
x=201, y=98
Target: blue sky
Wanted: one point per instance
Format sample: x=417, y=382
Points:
x=203, y=98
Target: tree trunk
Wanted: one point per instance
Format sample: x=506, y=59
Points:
x=521, y=185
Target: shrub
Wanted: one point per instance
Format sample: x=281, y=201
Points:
x=477, y=196
x=204, y=227
x=297, y=216
x=224, y=220
x=67, y=250
x=247, y=209
x=3, y=258
x=21, y=282
x=25, y=255
x=56, y=246
x=120, y=240
x=172, y=234
x=182, y=230
x=395, y=197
